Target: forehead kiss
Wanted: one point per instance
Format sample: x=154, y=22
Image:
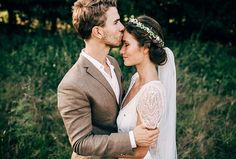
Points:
x=127, y=37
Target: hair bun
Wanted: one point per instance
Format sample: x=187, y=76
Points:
x=157, y=54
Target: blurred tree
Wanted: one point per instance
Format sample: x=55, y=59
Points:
x=43, y=10
x=210, y=19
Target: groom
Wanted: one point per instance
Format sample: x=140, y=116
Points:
x=91, y=91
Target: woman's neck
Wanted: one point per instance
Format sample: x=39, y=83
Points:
x=147, y=72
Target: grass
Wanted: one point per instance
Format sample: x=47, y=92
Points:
x=32, y=65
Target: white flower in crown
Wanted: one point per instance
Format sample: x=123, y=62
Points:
x=151, y=34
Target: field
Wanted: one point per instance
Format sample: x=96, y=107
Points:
x=32, y=64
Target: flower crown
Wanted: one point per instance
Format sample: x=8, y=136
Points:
x=151, y=34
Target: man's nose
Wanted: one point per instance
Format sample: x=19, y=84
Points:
x=122, y=28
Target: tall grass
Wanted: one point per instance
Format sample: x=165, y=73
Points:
x=32, y=65
x=206, y=100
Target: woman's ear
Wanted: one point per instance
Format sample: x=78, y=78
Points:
x=97, y=32
x=145, y=50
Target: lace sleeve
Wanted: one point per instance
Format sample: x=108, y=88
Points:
x=151, y=105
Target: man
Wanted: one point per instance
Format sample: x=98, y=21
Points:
x=91, y=91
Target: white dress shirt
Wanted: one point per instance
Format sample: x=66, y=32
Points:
x=112, y=80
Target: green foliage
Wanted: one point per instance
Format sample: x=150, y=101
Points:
x=32, y=67
x=211, y=19
x=33, y=64
x=205, y=100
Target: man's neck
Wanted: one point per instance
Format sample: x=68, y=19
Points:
x=98, y=51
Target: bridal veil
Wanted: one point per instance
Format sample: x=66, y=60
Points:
x=167, y=140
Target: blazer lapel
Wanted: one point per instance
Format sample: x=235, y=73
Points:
x=96, y=74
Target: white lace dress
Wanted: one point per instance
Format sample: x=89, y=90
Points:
x=150, y=103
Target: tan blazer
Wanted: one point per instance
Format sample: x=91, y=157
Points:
x=89, y=109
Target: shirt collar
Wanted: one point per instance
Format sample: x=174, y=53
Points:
x=109, y=63
x=96, y=62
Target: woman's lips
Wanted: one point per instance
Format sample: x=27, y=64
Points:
x=124, y=58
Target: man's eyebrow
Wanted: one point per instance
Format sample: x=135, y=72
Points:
x=117, y=20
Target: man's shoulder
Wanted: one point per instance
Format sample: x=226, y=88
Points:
x=73, y=75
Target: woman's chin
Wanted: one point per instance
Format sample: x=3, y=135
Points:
x=127, y=64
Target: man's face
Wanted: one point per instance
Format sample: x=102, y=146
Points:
x=113, y=29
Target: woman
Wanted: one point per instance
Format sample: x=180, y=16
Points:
x=151, y=97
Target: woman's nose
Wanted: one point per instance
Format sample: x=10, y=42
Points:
x=122, y=50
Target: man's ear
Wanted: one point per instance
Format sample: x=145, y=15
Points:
x=97, y=32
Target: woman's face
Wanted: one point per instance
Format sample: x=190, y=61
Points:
x=132, y=53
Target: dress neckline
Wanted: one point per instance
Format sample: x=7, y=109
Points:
x=140, y=90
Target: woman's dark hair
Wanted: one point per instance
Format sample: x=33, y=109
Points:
x=157, y=53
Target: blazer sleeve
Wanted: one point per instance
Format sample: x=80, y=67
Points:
x=75, y=110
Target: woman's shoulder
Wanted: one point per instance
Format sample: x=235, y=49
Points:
x=153, y=84
x=153, y=87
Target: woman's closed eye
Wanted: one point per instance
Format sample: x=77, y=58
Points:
x=126, y=44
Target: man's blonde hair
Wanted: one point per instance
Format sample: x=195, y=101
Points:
x=89, y=13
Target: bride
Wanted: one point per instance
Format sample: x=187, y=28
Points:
x=151, y=97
